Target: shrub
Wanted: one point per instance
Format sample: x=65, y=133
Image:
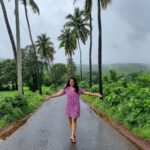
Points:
x=83, y=84
x=94, y=88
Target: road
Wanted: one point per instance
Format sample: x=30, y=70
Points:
x=48, y=129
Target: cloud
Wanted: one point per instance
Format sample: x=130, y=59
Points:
x=136, y=13
x=125, y=28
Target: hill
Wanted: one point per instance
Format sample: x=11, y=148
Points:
x=120, y=67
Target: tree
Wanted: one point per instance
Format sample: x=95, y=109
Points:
x=35, y=9
x=103, y=4
x=79, y=26
x=46, y=50
x=19, y=56
x=88, y=16
x=60, y=70
x=68, y=42
x=8, y=74
x=88, y=11
x=71, y=68
x=29, y=71
x=11, y=37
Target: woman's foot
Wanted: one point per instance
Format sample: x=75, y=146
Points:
x=74, y=137
x=73, y=140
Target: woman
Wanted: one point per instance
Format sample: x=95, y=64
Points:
x=72, y=110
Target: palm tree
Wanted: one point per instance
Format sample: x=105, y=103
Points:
x=19, y=54
x=46, y=50
x=78, y=23
x=71, y=67
x=68, y=42
x=35, y=9
x=88, y=12
x=103, y=4
x=9, y=30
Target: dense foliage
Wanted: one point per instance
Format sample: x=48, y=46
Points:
x=13, y=107
x=126, y=99
x=126, y=96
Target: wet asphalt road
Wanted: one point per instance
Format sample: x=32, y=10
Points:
x=48, y=129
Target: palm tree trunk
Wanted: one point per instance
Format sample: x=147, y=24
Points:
x=19, y=56
x=90, y=54
x=71, y=69
x=9, y=30
x=56, y=83
x=53, y=76
x=80, y=60
x=34, y=51
x=99, y=48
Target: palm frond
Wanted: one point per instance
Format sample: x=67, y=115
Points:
x=34, y=6
x=104, y=3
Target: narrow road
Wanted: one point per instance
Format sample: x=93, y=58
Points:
x=48, y=129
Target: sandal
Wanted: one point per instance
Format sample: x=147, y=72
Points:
x=73, y=140
x=74, y=137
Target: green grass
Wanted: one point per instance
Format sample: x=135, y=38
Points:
x=142, y=132
x=7, y=93
x=139, y=130
x=10, y=113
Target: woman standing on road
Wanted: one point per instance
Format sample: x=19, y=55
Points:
x=72, y=110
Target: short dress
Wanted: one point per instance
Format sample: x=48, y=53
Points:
x=72, y=103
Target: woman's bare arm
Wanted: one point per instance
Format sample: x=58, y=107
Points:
x=92, y=94
x=60, y=93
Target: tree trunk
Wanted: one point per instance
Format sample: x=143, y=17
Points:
x=90, y=54
x=19, y=56
x=99, y=48
x=53, y=75
x=72, y=66
x=34, y=50
x=80, y=60
x=9, y=30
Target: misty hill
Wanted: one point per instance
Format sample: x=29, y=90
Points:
x=120, y=67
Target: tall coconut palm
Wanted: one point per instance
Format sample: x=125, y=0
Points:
x=68, y=42
x=71, y=67
x=79, y=26
x=88, y=15
x=46, y=50
x=19, y=54
x=11, y=37
x=100, y=4
x=35, y=9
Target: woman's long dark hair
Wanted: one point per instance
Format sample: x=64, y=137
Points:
x=75, y=85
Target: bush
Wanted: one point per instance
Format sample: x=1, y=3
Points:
x=84, y=84
x=126, y=101
x=94, y=88
x=9, y=104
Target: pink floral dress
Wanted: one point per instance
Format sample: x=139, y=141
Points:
x=72, y=104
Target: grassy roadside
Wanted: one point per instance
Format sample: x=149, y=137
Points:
x=12, y=107
x=113, y=112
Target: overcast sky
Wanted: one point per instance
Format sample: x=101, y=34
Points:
x=125, y=24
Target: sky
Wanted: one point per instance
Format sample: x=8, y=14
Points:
x=125, y=30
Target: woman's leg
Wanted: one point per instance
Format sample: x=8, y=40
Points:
x=70, y=122
x=73, y=127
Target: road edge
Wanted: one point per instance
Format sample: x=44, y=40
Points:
x=10, y=129
x=140, y=143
